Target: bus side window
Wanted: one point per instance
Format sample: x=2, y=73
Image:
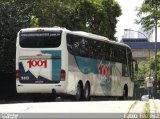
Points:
x=72, y=44
x=111, y=54
x=102, y=52
x=129, y=55
x=90, y=52
x=107, y=51
x=123, y=55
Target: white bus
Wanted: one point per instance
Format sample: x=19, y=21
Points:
x=63, y=62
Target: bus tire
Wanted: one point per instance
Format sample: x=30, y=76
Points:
x=79, y=92
x=125, y=93
x=86, y=94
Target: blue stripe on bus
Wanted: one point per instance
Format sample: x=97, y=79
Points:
x=28, y=74
x=89, y=65
x=56, y=63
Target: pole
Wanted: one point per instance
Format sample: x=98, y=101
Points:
x=156, y=48
x=149, y=61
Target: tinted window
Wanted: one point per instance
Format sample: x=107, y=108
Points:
x=86, y=47
x=40, y=39
x=74, y=44
x=129, y=54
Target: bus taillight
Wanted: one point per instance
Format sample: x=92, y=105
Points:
x=63, y=75
x=17, y=73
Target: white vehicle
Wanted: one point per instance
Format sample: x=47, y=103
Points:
x=59, y=61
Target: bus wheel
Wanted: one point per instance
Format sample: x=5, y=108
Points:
x=125, y=93
x=79, y=93
x=87, y=92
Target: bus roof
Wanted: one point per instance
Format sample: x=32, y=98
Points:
x=41, y=29
x=81, y=33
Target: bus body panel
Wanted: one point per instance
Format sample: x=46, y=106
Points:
x=105, y=77
x=75, y=75
x=40, y=68
x=40, y=88
x=100, y=86
x=88, y=69
x=37, y=66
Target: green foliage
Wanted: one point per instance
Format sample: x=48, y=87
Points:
x=147, y=110
x=147, y=67
x=11, y=21
x=147, y=14
x=96, y=16
x=34, y=21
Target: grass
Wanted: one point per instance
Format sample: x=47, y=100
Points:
x=131, y=108
x=147, y=110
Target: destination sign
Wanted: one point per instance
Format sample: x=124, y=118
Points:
x=39, y=34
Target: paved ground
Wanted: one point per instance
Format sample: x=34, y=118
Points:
x=117, y=109
x=155, y=106
x=68, y=107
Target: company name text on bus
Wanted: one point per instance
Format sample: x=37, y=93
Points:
x=39, y=63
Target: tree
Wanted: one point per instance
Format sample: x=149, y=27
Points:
x=95, y=16
x=147, y=14
x=11, y=21
x=147, y=67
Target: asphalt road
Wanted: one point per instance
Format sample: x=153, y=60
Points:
x=91, y=109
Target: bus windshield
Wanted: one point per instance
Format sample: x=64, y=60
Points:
x=40, y=39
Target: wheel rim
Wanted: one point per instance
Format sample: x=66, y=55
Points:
x=87, y=92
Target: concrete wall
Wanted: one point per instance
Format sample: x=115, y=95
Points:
x=143, y=54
